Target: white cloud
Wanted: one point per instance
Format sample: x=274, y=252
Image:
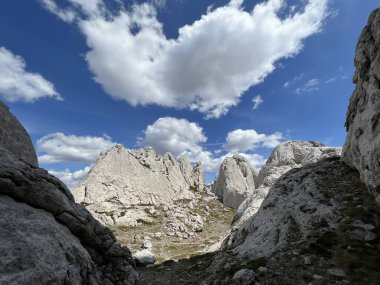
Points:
x=88, y=8
x=67, y=15
x=207, y=68
x=331, y=80
x=310, y=86
x=181, y=137
x=294, y=80
x=16, y=84
x=257, y=101
x=173, y=135
x=243, y=140
x=59, y=147
x=71, y=179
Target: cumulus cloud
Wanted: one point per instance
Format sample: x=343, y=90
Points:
x=181, y=137
x=257, y=101
x=243, y=140
x=58, y=147
x=207, y=68
x=17, y=84
x=71, y=179
x=310, y=86
x=173, y=135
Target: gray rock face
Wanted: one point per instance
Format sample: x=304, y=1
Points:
x=362, y=147
x=36, y=249
x=14, y=138
x=123, y=182
x=286, y=156
x=47, y=238
x=236, y=181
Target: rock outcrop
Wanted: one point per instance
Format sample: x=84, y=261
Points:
x=237, y=179
x=286, y=156
x=318, y=224
x=362, y=147
x=45, y=237
x=14, y=138
x=194, y=176
x=122, y=182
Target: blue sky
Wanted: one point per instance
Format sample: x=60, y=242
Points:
x=83, y=75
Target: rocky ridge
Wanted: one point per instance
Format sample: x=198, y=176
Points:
x=286, y=156
x=237, y=179
x=141, y=194
x=47, y=238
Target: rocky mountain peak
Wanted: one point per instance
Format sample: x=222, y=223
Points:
x=236, y=181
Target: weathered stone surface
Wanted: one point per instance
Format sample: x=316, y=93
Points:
x=47, y=238
x=296, y=207
x=286, y=156
x=236, y=181
x=199, y=176
x=194, y=176
x=244, y=277
x=14, y=138
x=362, y=147
x=123, y=182
x=36, y=249
x=317, y=223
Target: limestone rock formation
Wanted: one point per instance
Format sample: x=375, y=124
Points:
x=194, y=176
x=362, y=147
x=45, y=237
x=14, y=138
x=237, y=179
x=318, y=224
x=286, y=156
x=123, y=182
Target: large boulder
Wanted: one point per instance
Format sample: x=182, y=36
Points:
x=286, y=156
x=362, y=147
x=236, y=181
x=14, y=138
x=45, y=237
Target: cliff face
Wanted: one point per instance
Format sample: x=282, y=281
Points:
x=45, y=237
x=362, y=147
